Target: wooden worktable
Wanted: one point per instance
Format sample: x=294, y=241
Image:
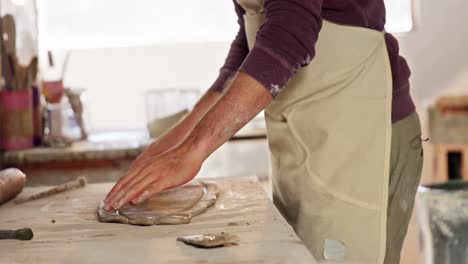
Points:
x=77, y=236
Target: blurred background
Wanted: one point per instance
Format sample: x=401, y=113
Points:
x=109, y=76
x=148, y=44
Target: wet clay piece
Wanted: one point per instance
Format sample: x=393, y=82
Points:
x=210, y=240
x=171, y=207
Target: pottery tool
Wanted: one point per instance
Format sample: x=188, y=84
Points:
x=9, y=31
x=11, y=183
x=33, y=69
x=6, y=67
x=23, y=75
x=20, y=234
x=16, y=75
x=65, y=66
x=50, y=58
x=78, y=183
x=9, y=40
x=74, y=97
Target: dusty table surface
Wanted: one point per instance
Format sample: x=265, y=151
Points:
x=77, y=237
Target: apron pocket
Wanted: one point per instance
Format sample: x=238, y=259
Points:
x=344, y=142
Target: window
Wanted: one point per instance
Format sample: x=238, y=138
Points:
x=399, y=15
x=68, y=24
x=71, y=24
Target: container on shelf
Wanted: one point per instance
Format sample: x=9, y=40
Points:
x=164, y=108
x=53, y=91
x=17, y=119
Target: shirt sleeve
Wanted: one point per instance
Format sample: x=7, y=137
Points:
x=236, y=55
x=284, y=43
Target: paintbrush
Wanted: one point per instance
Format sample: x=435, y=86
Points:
x=32, y=71
x=78, y=183
x=20, y=234
x=8, y=50
x=50, y=58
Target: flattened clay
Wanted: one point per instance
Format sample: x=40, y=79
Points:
x=171, y=207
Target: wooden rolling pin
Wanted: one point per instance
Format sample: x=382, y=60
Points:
x=78, y=183
x=11, y=183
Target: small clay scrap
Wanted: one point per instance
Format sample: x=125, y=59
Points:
x=171, y=207
x=210, y=240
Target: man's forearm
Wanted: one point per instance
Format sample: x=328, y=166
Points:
x=182, y=129
x=242, y=102
x=244, y=99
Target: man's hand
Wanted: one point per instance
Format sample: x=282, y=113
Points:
x=158, y=173
x=174, y=136
x=245, y=98
x=164, y=143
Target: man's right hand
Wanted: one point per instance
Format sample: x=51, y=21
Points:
x=164, y=143
x=173, y=137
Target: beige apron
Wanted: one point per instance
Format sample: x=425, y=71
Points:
x=329, y=132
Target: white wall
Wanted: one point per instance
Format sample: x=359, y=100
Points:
x=437, y=48
x=116, y=78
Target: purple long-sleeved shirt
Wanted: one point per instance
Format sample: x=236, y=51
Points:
x=287, y=38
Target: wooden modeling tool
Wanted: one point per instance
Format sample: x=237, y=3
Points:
x=78, y=183
x=9, y=49
x=9, y=29
x=6, y=67
x=32, y=70
x=20, y=234
x=74, y=97
x=50, y=57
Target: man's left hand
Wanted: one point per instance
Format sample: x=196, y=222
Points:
x=165, y=171
x=245, y=98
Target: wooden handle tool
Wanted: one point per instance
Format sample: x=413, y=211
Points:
x=9, y=31
x=20, y=234
x=78, y=183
